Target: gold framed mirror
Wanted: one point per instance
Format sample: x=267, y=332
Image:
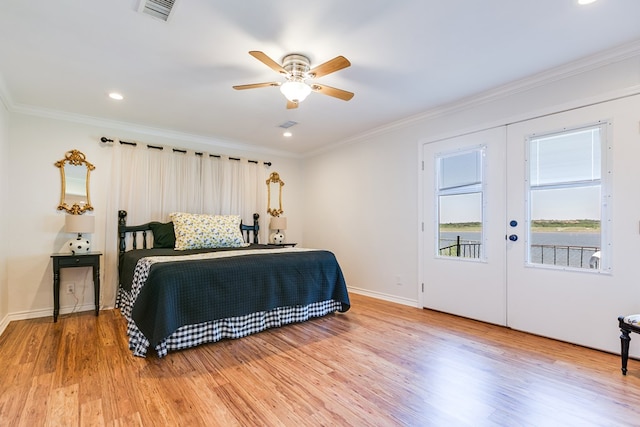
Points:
x=274, y=195
x=75, y=172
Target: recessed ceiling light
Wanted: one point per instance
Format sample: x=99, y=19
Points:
x=586, y=1
x=116, y=96
x=287, y=134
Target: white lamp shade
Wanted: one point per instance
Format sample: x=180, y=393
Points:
x=79, y=223
x=295, y=91
x=278, y=223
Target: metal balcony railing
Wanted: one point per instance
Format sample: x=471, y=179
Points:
x=562, y=255
x=461, y=248
x=566, y=255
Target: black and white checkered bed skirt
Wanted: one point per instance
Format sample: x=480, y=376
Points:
x=232, y=327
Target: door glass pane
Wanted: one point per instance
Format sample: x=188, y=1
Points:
x=460, y=170
x=567, y=157
x=460, y=225
x=565, y=207
x=460, y=204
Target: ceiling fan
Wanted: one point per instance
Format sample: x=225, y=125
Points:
x=297, y=70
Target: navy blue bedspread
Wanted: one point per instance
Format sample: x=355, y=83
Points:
x=195, y=291
x=129, y=259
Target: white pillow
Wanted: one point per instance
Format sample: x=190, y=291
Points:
x=196, y=231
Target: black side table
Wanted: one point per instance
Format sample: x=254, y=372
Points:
x=90, y=259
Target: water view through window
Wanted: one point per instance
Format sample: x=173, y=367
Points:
x=460, y=204
x=565, y=208
x=564, y=200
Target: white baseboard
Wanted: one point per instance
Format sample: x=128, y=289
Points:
x=385, y=297
x=47, y=312
x=4, y=323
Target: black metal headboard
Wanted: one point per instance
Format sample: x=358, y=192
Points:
x=249, y=232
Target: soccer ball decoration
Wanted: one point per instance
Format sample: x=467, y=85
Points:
x=277, y=238
x=79, y=246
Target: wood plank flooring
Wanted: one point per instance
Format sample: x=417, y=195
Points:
x=380, y=364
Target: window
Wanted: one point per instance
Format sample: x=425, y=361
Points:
x=565, y=203
x=459, y=203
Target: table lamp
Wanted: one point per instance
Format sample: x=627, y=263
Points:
x=279, y=224
x=79, y=224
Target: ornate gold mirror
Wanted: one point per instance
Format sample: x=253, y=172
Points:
x=75, y=171
x=274, y=195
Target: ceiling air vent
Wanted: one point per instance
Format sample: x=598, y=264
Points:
x=157, y=8
x=287, y=125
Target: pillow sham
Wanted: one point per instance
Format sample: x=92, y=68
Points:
x=163, y=235
x=197, y=231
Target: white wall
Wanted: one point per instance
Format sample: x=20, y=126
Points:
x=359, y=199
x=36, y=227
x=4, y=202
x=362, y=197
x=361, y=203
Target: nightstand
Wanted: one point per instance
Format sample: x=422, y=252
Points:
x=67, y=260
x=282, y=245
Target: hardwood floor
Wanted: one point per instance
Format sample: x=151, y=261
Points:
x=380, y=364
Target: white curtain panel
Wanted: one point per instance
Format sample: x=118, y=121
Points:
x=150, y=184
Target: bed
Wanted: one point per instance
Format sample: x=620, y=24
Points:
x=175, y=297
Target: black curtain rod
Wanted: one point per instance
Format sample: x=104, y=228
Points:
x=105, y=140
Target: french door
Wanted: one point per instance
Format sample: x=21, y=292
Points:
x=527, y=172
x=464, y=217
x=547, y=296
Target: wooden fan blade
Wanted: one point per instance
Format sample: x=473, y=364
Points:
x=337, y=63
x=291, y=105
x=332, y=91
x=255, y=85
x=262, y=57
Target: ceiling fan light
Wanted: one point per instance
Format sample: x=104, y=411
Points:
x=295, y=91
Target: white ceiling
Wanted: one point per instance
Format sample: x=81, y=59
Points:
x=408, y=56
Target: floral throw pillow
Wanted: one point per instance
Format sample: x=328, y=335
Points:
x=197, y=231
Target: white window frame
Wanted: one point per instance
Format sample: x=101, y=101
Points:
x=606, y=174
x=478, y=188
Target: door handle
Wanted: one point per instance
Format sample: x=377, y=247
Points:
x=513, y=237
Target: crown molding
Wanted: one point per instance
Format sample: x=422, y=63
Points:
x=5, y=97
x=145, y=130
x=546, y=77
x=573, y=68
x=6, y=100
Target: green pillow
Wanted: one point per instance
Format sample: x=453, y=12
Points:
x=163, y=235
